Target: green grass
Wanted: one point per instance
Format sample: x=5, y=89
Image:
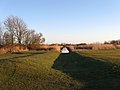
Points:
x=83, y=70
x=112, y=56
x=33, y=71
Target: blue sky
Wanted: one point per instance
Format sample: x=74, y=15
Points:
x=68, y=21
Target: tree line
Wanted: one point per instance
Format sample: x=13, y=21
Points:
x=112, y=42
x=14, y=30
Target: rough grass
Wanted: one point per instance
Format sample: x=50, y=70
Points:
x=112, y=56
x=84, y=70
x=106, y=69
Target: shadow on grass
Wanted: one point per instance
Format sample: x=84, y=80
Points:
x=96, y=74
x=25, y=54
x=33, y=53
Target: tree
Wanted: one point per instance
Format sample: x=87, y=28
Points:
x=1, y=34
x=37, y=38
x=106, y=42
x=7, y=38
x=17, y=28
x=112, y=42
x=16, y=32
x=33, y=39
x=28, y=37
x=115, y=42
x=9, y=25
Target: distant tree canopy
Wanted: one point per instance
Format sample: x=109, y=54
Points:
x=112, y=42
x=15, y=31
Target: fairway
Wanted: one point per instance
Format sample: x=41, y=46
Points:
x=39, y=70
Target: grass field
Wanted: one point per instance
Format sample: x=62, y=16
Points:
x=82, y=70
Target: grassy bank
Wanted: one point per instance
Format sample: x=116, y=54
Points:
x=84, y=70
x=33, y=71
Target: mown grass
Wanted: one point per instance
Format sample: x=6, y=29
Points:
x=83, y=70
x=33, y=71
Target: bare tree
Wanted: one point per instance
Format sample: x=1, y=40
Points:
x=17, y=28
x=1, y=34
x=33, y=39
x=28, y=37
x=9, y=25
x=37, y=38
x=7, y=38
x=17, y=32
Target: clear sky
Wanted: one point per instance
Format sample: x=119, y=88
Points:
x=68, y=21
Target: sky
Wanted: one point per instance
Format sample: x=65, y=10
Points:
x=68, y=21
